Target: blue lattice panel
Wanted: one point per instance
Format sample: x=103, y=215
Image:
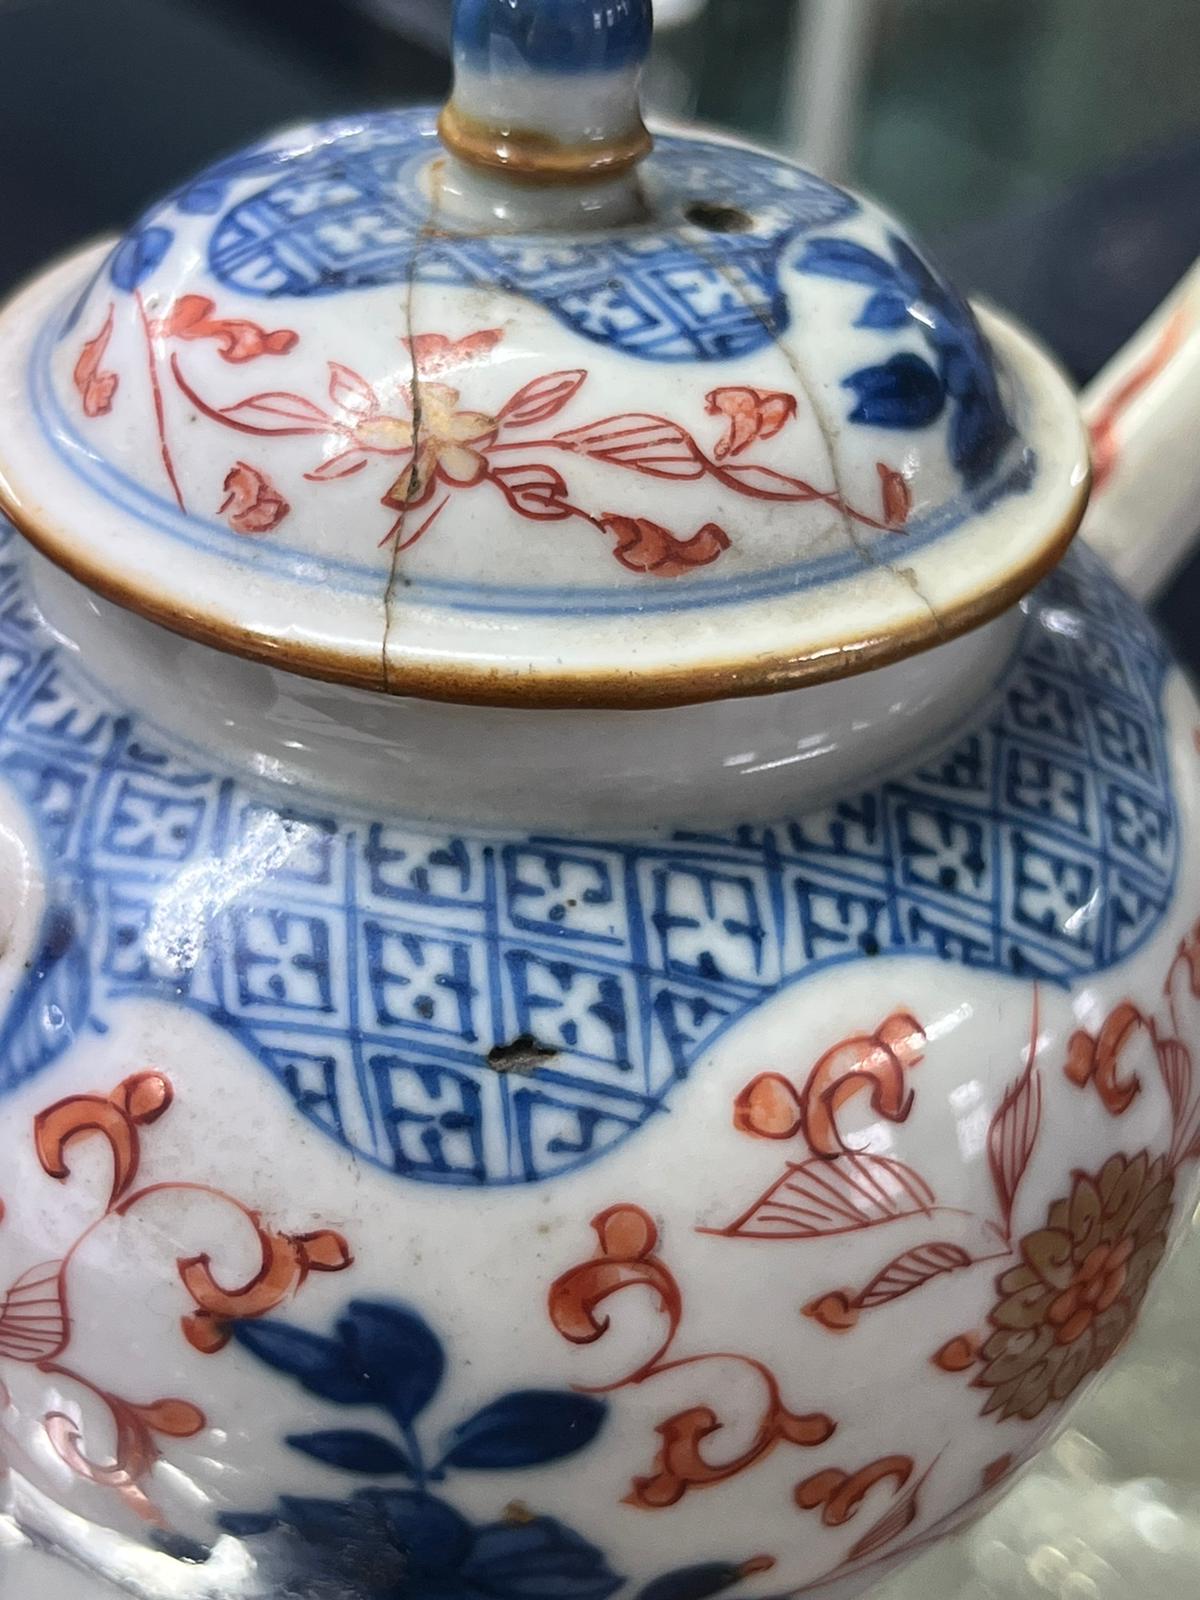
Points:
x=371, y=967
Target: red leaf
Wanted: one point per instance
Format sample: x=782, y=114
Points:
x=33, y=1315
x=910, y=1270
x=957, y=1354
x=642, y=443
x=644, y=546
x=764, y=483
x=343, y=465
x=1014, y=1130
x=897, y=496
x=96, y=389
x=180, y=1419
x=889, y=1527
x=751, y=414
x=837, y=1311
x=252, y=503
x=542, y=398
x=298, y=415
x=820, y=1198
x=433, y=353
x=1175, y=1063
x=534, y=490
x=189, y=312
x=237, y=340
x=352, y=393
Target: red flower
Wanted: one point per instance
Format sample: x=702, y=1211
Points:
x=644, y=546
x=752, y=414
x=451, y=447
x=1066, y=1307
x=237, y=340
x=252, y=503
x=96, y=388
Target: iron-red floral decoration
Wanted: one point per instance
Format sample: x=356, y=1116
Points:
x=627, y=1258
x=443, y=445
x=1073, y=1297
x=1066, y=1295
x=252, y=503
x=1105, y=425
x=96, y=387
x=1070, y=1300
x=35, y=1315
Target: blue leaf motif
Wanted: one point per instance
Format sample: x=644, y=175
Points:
x=246, y=1524
x=381, y=1354
x=382, y=1544
x=432, y=1535
x=842, y=258
x=51, y=1004
x=397, y=1352
x=903, y=393
x=908, y=392
x=137, y=255
x=526, y=1429
x=353, y=1451
x=536, y=1561
x=699, y=1582
x=886, y=309
x=979, y=436
x=319, y=1365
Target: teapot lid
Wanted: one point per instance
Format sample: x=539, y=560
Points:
x=515, y=409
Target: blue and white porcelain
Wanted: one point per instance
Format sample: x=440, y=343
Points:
x=600, y=969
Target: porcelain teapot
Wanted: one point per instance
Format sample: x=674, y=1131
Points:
x=600, y=956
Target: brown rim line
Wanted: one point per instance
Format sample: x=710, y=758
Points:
x=532, y=158
x=593, y=691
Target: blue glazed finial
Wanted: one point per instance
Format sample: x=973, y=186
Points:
x=552, y=36
x=547, y=90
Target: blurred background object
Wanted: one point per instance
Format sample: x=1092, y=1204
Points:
x=1049, y=150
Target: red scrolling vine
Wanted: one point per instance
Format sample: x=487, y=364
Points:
x=37, y=1324
x=441, y=446
x=1066, y=1293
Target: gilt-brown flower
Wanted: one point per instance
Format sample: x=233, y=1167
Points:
x=1069, y=1303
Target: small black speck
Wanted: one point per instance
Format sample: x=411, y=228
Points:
x=714, y=218
x=522, y=1056
x=869, y=944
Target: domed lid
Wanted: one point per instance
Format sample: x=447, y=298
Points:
x=521, y=411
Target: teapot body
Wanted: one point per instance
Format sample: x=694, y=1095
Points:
x=440, y=1208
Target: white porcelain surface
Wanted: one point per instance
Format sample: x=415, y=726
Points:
x=1111, y=1506
x=1141, y=411
x=486, y=1152
x=474, y=1125
x=746, y=438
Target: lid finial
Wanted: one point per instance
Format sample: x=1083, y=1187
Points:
x=547, y=90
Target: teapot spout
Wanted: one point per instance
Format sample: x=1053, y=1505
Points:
x=1143, y=412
